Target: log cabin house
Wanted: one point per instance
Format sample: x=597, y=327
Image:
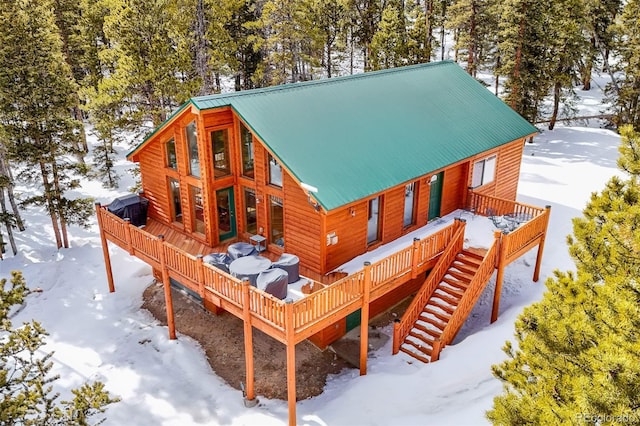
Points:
x=330, y=170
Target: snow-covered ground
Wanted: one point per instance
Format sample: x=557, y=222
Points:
x=101, y=336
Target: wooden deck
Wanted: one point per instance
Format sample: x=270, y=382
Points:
x=195, y=247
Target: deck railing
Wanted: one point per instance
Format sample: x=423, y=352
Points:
x=320, y=309
x=487, y=205
x=405, y=324
x=309, y=314
x=468, y=299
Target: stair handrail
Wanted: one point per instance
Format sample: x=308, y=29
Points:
x=402, y=327
x=469, y=298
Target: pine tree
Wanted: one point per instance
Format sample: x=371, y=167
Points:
x=37, y=93
x=388, y=45
x=475, y=23
x=626, y=45
x=575, y=361
x=523, y=54
x=26, y=391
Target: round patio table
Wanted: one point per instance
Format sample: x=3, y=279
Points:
x=249, y=267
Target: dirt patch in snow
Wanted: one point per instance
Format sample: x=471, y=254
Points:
x=222, y=338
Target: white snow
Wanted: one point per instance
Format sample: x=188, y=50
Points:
x=97, y=335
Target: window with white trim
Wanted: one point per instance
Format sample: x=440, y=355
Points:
x=484, y=172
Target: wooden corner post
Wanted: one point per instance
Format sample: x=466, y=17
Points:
x=536, y=272
x=291, y=360
x=500, y=237
x=249, y=392
x=414, y=258
x=364, y=318
x=166, y=281
x=105, y=249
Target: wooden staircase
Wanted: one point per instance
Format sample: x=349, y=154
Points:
x=428, y=328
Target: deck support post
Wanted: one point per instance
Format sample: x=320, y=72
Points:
x=249, y=392
x=414, y=258
x=536, y=272
x=501, y=259
x=168, y=298
x=105, y=250
x=291, y=360
x=364, y=319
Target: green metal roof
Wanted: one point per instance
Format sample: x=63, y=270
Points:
x=351, y=137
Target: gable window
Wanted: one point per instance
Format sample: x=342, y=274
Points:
x=410, y=204
x=484, y=171
x=197, y=209
x=250, y=217
x=176, y=204
x=192, y=145
x=220, y=148
x=275, y=172
x=172, y=160
x=276, y=221
x=373, y=225
x=246, y=140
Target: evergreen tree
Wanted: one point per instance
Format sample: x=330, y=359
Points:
x=331, y=18
x=475, y=23
x=26, y=392
x=388, y=45
x=524, y=38
x=37, y=93
x=626, y=90
x=577, y=349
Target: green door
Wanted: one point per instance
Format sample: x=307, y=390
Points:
x=226, y=214
x=354, y=319
x=435, y=196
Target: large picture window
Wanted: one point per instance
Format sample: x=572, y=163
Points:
x=176, y=204
x=276, y=221
x=192, y=145
x=250, y=217
x=246, y=140
x=197, y=209
x=220, y=148
x=275, y=172
x=410, y=204
x=172, y=160
x=484, y=172
x=373, y=225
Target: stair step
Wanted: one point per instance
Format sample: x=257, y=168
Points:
x=469, y=259
x=425, y=339
x=472, y=254
x=434, y=322
x=444, y=305
x=464, y=267
x=465, y=278
x=453, y=292
x=422, y=348
x=455, y=283
x=440, y=315
x=415, y=355
x=431, y=332
x=449, y=295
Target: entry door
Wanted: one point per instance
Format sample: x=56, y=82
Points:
x=226, y=214
x=435, y=196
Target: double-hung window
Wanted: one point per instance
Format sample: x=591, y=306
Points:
x=484, y=171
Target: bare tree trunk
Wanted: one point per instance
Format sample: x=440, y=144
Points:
x=471, y=65
x=202, y=50
x=50, y=205
x=497, y=74
x=518, y=62
x=5, y=170
x=7, y=223
x=557, y=90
